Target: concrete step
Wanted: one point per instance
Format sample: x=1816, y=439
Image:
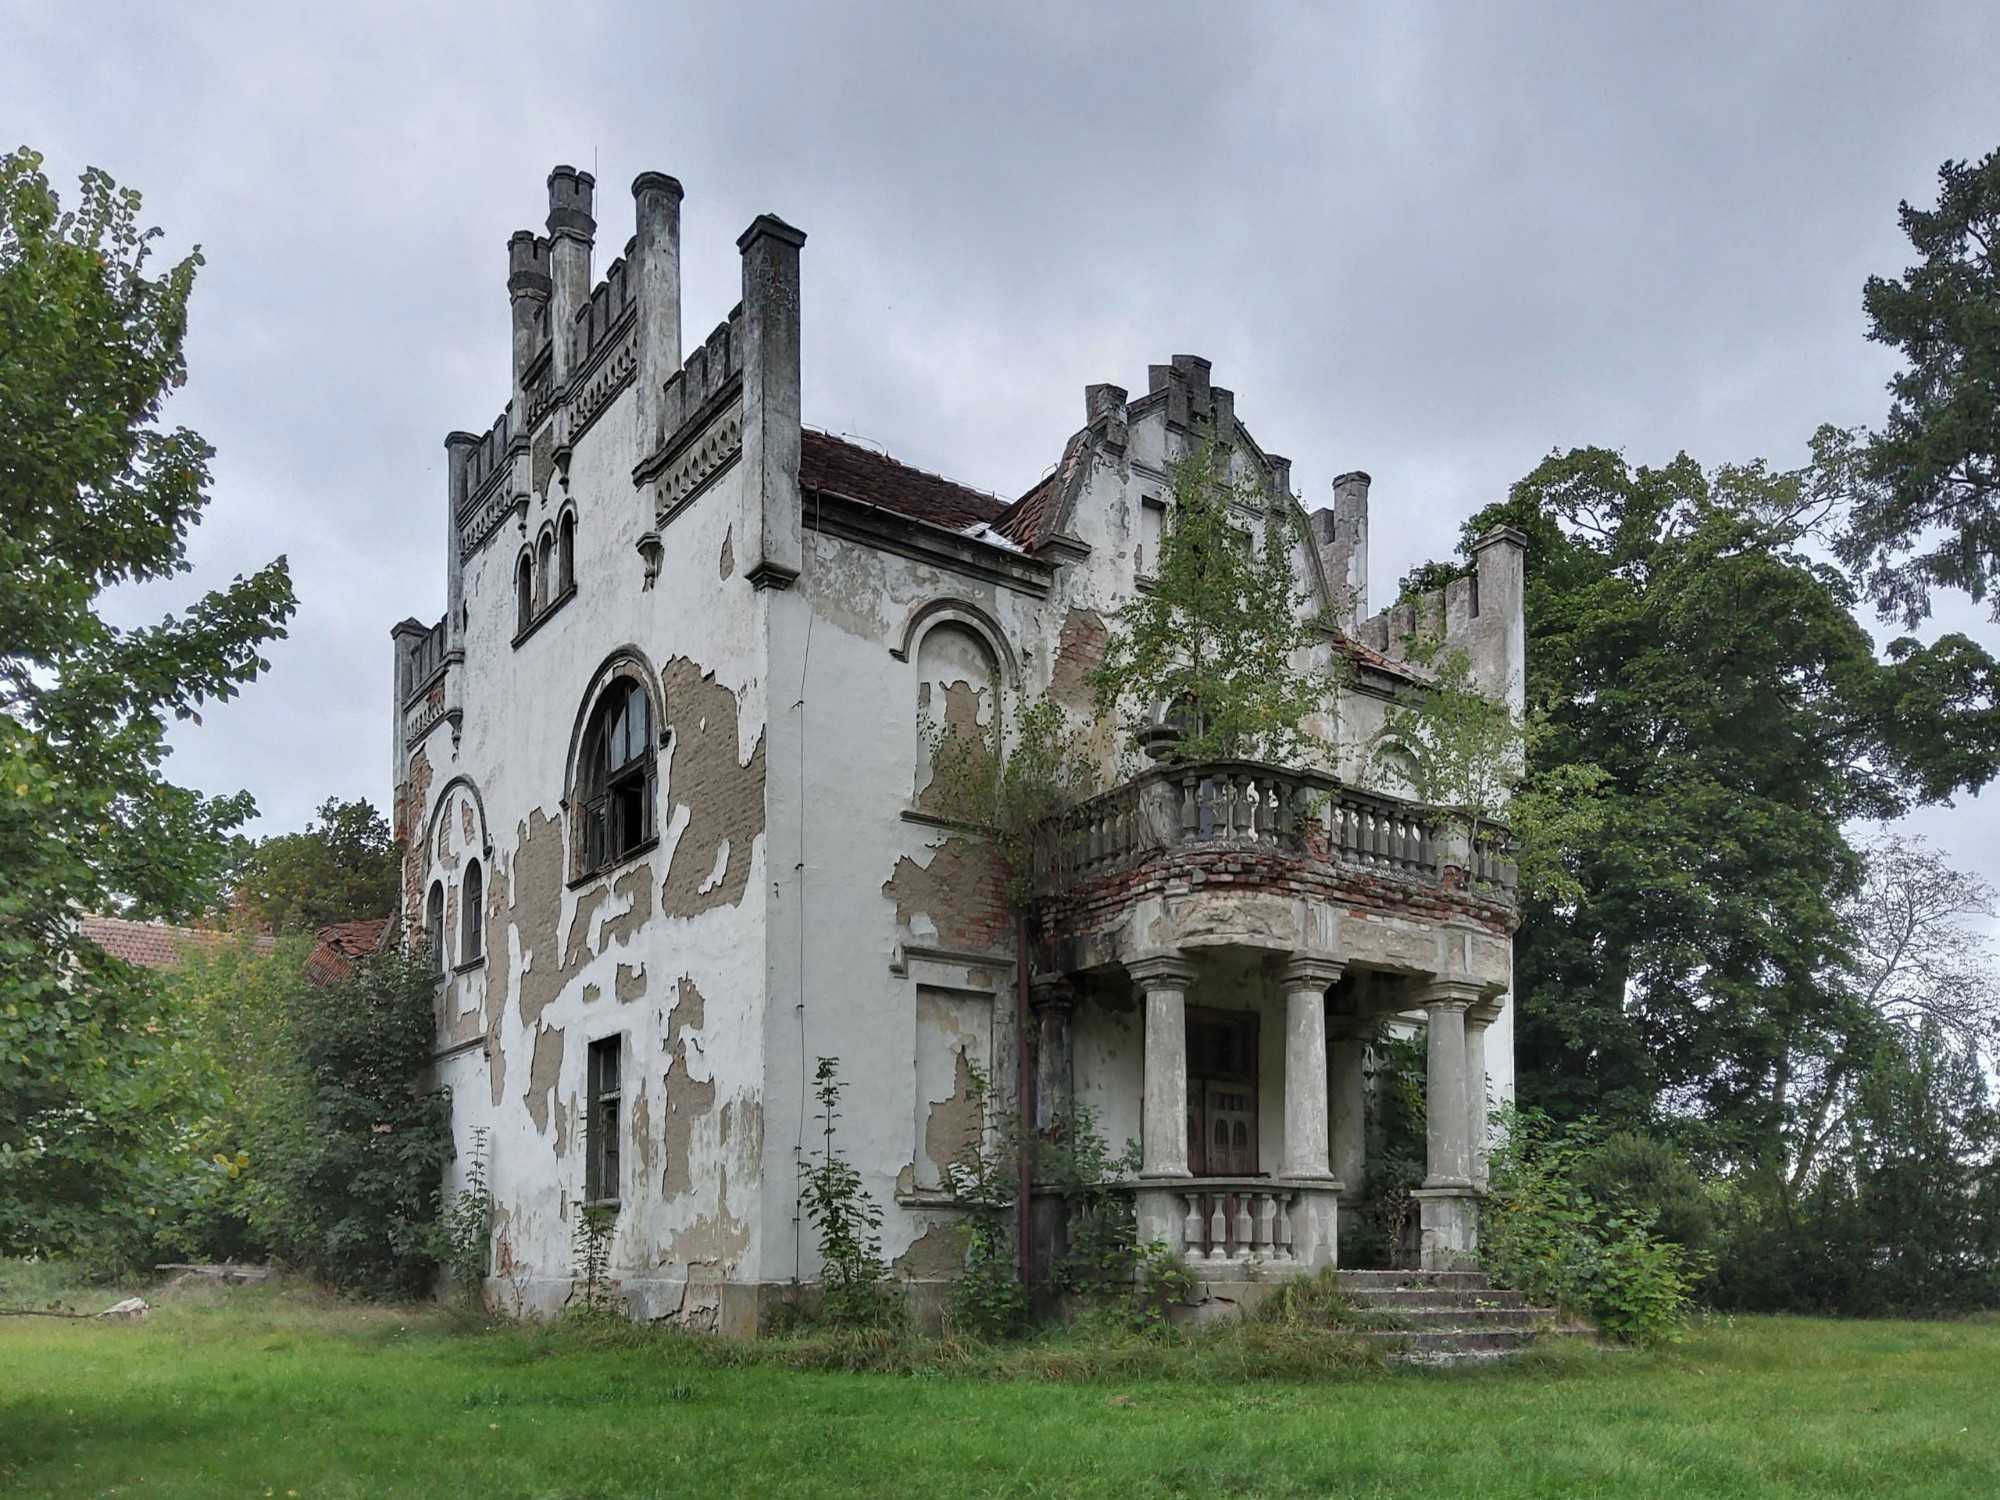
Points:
x=1388, y=1299
x=1481, y=1319
x=1422, y=1342
x=1372, y=1281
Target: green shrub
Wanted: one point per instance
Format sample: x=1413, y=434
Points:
x=854, y=1289
x=1545, y=1235
x=1652, y=1178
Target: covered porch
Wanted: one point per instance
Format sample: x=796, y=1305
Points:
x=1243, y=1076
x=1220, y=945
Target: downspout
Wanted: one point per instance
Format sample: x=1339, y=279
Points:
x=1024, y=1106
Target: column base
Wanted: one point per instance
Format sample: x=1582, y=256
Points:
x=1450, y=1220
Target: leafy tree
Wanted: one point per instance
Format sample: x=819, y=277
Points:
x=1926, y=488
x=1218, y=639
x=1916, y=958
x=95, y=492
x=1683, y=641
x=345, y=866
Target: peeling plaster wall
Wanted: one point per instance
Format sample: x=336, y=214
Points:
x=671, y=962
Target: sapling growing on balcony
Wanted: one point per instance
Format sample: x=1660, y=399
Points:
x=1466, y=754
x=1226, y=638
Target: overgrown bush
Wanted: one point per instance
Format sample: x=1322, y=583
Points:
x=988, y=1300
x=360, y=1187
x=1545, y=1235
x=1654, y=1179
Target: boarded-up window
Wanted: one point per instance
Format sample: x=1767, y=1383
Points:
x=954, y=1041
x=957, y=696
x=1152, y=525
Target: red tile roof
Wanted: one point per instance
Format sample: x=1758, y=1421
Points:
x=842, y=468
x=157, y=945
x=332, y=958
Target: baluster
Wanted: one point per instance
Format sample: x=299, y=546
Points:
x=1191, y=1228
x=1190, y=813
x=1244, y=1228
x=1245, y=792
x=1267, y=1213
x=1284, y=1227
x=1218, y=1228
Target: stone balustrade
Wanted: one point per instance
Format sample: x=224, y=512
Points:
x=1263, y=808
x=1235, y=1224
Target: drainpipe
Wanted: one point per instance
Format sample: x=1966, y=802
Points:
x=1024, y=1106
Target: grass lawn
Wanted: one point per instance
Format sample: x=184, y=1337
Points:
x=274, y=1391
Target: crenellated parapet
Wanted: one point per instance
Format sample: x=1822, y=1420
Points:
x=1479, y=613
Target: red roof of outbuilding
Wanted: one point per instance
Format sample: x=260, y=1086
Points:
x=157, y=945
x=332, y=958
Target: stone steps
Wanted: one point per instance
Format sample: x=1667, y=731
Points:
x=1395, y=1299
x=1448, y=1317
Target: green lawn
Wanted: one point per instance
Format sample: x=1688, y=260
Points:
x=275, y=1392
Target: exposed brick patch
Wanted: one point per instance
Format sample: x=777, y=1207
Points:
x=961, y=894
x=687, y=1099
x=1079, y=652
x=1102, y=905
x=724, y=796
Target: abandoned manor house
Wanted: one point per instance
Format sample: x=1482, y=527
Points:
x=661, y=775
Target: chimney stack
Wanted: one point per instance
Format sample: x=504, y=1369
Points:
x=572, y=232
x=458, y=448
x=655, y=268
x=528, y=292
x=769, y=546
x=1341, y=535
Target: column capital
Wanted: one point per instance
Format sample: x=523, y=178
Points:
x=1052, y=992
x=1166, y=971
x=1310, y=971
x=1458, y=994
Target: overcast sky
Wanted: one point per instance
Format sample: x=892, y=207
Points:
x=1433, y=242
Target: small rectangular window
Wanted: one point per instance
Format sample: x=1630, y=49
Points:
x=601, y=1180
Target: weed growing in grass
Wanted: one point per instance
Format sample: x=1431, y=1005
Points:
x=592, y=1297
x=852, y=1279
x=465, y=1228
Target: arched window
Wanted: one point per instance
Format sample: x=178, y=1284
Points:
x=616, y=777
x=566, y=551
x=472, y=909
x=545, y=583
x=524, y=594
x=434, y=926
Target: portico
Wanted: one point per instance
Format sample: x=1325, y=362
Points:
x=1255, y=977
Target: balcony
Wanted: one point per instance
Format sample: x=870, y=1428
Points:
x=1234, y=822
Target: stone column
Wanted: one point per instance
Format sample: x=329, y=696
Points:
x=1447, y=1201
x=1348, y=1052
x=1477, y=1020
x=1161, y=1209
x=1164, y=982
x=1306, y=981
x=1054, y=1002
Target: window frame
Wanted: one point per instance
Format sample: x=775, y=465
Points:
x=471, y=914
x=603, y=1163
x=434, y=906
x=599, y=785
